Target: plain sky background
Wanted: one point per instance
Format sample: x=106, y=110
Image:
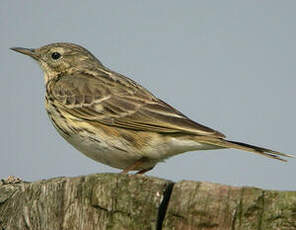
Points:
x=227, y=64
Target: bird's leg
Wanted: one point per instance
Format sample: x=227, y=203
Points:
x=144, y=170
x=135, y=165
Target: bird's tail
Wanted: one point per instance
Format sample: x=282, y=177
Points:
x=242, y=146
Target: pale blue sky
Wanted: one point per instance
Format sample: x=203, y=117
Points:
x=227, y=64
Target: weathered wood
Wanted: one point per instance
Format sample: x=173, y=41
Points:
x=103, y=201
x=116, y=201
x=199, y=205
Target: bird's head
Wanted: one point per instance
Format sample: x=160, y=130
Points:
x=61, y=58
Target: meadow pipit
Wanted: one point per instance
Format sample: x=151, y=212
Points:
x=112, y=119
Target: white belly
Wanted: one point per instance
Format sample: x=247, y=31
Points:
x=109, y=152
x=114, y=153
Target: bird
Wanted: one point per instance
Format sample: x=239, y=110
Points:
x=114, y=120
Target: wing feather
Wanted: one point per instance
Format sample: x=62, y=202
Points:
x=122, y=103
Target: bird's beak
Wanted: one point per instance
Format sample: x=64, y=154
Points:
x=30, y=52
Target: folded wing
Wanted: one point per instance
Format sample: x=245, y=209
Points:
x=115, y=100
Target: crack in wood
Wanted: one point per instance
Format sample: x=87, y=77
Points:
x=164, y=205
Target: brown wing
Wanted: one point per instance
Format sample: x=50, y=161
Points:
x=115, y=100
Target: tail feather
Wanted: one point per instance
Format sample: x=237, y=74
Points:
x=246, y=147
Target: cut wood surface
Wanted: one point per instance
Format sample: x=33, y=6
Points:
x=136, y=202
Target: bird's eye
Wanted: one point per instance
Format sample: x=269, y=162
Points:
x=55, y=55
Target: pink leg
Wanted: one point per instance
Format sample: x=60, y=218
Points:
x=135, y=165
x=144, y=170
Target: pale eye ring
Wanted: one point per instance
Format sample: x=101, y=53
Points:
x=55, y=55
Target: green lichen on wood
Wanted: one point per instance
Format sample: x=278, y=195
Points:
x=133, y=202
x=213, y=206
x=102, y=201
